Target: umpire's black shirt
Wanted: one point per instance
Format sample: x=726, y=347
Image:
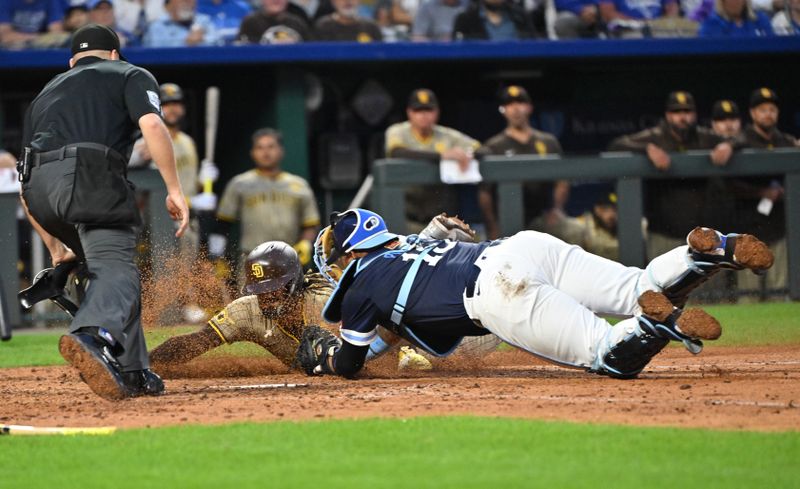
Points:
x=96, y=101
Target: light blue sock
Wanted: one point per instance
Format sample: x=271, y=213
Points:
x=377, y=348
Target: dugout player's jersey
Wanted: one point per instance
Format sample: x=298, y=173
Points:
x=673, y=206
x=186, y=162
x=268, y=209
x=242, y=320
x=434, y=318
x=423, y=202
x=537, y=196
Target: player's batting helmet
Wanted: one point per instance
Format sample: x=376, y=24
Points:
x=271, y=266
x=357, y=230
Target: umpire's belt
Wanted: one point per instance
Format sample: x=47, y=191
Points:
x=71, y=151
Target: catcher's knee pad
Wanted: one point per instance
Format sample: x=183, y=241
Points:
x=631, y=353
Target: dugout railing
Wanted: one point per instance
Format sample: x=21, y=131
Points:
x=393, y=176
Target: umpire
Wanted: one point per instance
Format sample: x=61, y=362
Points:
x=77, y=139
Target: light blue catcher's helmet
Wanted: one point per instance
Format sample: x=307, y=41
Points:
x=357, y=230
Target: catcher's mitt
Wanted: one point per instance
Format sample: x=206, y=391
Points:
x=446, y=227
x=316, y=351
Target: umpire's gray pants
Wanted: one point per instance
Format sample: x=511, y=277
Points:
x=113, y=298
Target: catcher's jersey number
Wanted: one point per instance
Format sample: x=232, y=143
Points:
x=434, y=256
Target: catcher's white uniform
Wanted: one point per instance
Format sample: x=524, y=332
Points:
x=542, y=294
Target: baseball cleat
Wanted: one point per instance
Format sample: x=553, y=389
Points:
x=409, y=359
x=738, y=251
x=143, y=383
x=688, y=326
x=97, y=367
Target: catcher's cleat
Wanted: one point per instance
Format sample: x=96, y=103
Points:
x=669, y=322
x=409, y=359
x=626, y=356
x=97, y=367
x=143, y=383
x=737, y=251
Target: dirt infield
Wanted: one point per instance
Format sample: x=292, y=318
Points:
x=723, y=388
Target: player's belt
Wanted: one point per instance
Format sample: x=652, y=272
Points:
x=472, y=282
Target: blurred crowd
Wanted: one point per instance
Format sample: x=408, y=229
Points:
x=28, y=24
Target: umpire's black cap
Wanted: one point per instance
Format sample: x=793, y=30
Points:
x=95, y=36
x=763, y=96
x=170, y=92
x=423, y=99
x=680, y=100
x=514, y=93
x=724, y=109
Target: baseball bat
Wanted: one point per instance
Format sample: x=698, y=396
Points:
x=212, y=121
x=206, y=218
x=11, y=429
x=363, y=192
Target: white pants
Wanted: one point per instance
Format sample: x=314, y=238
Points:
x=541, y=294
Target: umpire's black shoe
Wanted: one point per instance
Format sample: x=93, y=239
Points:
x=98, y=368
x=143, y=383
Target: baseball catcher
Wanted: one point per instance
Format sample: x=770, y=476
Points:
x=279, y=303
x=532, y=290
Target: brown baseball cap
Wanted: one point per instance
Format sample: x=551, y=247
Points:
x=423, y=99
x=763, y=96
x=680, y=100
x=724, y=109
x=514, y=93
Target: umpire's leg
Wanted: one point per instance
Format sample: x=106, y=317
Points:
x=113, y=299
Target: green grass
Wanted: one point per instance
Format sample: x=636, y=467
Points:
x=41, y=349
x=745, y=324
x=758, y=324
x=459, y=452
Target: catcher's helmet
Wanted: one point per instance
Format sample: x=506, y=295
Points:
x=357, y=230
x=170, y=92
x=271, y=266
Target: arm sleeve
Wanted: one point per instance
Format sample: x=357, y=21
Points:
x=466, y=141
x=349, y=359
x=228, y=209
x=632, y=142
x=359, y=319
x=141, y=94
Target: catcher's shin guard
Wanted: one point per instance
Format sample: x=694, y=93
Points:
x=630, y=345
x=710, y=251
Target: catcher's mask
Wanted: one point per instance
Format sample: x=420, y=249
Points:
x=357, y=230
x=272, y=266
